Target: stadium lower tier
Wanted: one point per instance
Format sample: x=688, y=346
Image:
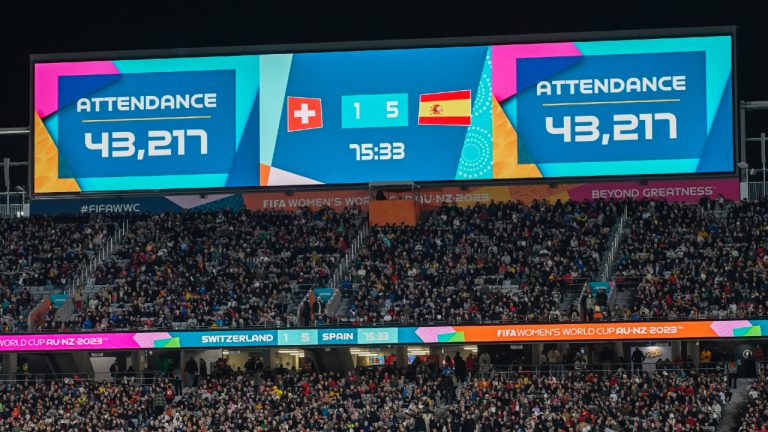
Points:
x=608, y=387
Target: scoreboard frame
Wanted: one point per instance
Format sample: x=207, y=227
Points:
x=389, y=44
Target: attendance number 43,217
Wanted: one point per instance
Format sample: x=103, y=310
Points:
x=159, y=143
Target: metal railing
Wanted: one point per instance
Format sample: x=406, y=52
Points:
x=138, y=378
x=13, y=205
x=613, y=294
x=613, y=249
x=335, y=301
x=757, y=190
x=341, y=268
x=105, y=251
x=604, y=367
x=65, y=311
x=349, y=256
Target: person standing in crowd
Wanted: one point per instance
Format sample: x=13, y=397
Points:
x=555, y=361
x=732, y=372
x=637, y=360
x=113, y=371
x=470, y=364
x=250, y=366
x=460, y=367
x=705, y=358
x=169, y=394
x=203, y=369
x=158, y=401
x=191, y=372
x=176, y=377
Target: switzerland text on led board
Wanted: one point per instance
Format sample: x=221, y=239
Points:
x=512, y=111
x=386, y=335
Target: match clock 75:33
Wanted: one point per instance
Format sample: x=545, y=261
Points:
x=381, y=151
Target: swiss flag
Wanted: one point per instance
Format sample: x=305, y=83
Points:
x=304, y=113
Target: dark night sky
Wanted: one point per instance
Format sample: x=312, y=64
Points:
x=49, y=27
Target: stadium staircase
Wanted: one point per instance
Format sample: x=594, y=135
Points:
x=83, y=279
x=732, y=412
x=623, y=294
x=339, y=304
x=336, y=302
x=575, y=291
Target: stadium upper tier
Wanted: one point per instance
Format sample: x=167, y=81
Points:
x=684, y=261
x=504, y=261
x=499, y=262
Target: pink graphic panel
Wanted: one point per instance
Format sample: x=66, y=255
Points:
x=47, y=81
x=687, y=191
x=429, y=334
x=726, y=328
x=78, y=341
x=504, y=63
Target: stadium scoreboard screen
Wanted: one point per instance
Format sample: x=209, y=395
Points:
x=556, y=109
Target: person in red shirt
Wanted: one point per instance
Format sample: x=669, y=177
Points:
x=169, y=394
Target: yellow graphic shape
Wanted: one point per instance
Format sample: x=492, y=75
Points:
x=47, y=163
x=505, y=149
x=523, y=193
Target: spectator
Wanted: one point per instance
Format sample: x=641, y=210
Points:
x=732, y=371
x=638, y=357
x=191, y=370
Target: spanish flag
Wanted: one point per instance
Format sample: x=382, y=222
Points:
x=453, y=108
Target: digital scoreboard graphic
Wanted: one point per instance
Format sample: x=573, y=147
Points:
x=460, y=113
x=346, y=336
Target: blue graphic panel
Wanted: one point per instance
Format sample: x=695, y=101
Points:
x=147, y=124
x=297, y=337
x=614, y=108
x=385, y=335
x=337, y=336
x=430, y=152
x=243, y=338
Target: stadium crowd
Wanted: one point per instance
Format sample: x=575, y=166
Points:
x=687, y=262
x=755, y=415
x=214, y=269
x=502, y=261
x=44, y=252
x=423, y=397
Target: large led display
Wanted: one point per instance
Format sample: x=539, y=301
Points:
x=461, y=113
x=457, y=334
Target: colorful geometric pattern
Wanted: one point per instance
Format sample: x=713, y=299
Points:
x=46, y=176
x=505, y=158
x=477, y=153
x=744, y=328
x=506, y=86
x=173, y=342
x=47, y=76
x=437, y=334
